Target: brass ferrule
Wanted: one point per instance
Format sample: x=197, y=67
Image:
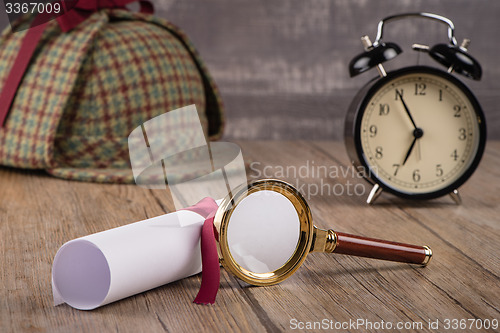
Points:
x=323, y=240
x=331, y=241
x=428, y=255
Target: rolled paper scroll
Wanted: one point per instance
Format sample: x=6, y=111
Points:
x=101, y=268
x=167, y=152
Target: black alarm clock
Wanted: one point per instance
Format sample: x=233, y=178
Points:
x=417, y=132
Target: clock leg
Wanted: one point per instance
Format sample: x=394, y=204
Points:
x=374, y=193
x=456, y=197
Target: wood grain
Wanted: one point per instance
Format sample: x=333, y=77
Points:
x=39, y=213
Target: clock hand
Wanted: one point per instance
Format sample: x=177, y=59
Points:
x=409, y=150
x=406, y=109
x=419, y=154
x=417, y=134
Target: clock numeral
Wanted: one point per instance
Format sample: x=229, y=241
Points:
x=454, y=155
x=463, y=134
x=378, y=153
x=439, y=170
x=396, y=166
x=373, y=131
x=399, y=94
x=420, y=89
x=416, y=175
x=440, y=95
x=457, y=109
x=384, y=110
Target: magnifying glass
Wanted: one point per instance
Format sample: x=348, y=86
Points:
x=265, y=232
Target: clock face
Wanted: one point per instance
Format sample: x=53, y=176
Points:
x=421, y=132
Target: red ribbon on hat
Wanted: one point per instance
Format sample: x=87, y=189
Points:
x=210, y=274
x=68, y=21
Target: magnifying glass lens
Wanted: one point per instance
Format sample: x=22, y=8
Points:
x=264, y=231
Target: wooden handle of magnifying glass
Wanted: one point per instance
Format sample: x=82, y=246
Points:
x=381, y=249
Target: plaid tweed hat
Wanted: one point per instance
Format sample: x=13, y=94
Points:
x=85, y=90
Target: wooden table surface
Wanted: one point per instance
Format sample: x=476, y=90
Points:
x=39, y=213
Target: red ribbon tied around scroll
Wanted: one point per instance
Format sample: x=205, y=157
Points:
x=68, y=21
x=210, y=274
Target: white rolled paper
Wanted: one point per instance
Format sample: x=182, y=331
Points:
x=101, y=268
x=171, y=148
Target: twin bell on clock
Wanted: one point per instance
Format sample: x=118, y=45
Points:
x=417, y=132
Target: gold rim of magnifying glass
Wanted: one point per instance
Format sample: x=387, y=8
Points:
x=221, y=222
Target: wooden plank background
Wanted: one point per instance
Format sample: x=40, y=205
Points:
x=282, y=65
x=39, y=213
